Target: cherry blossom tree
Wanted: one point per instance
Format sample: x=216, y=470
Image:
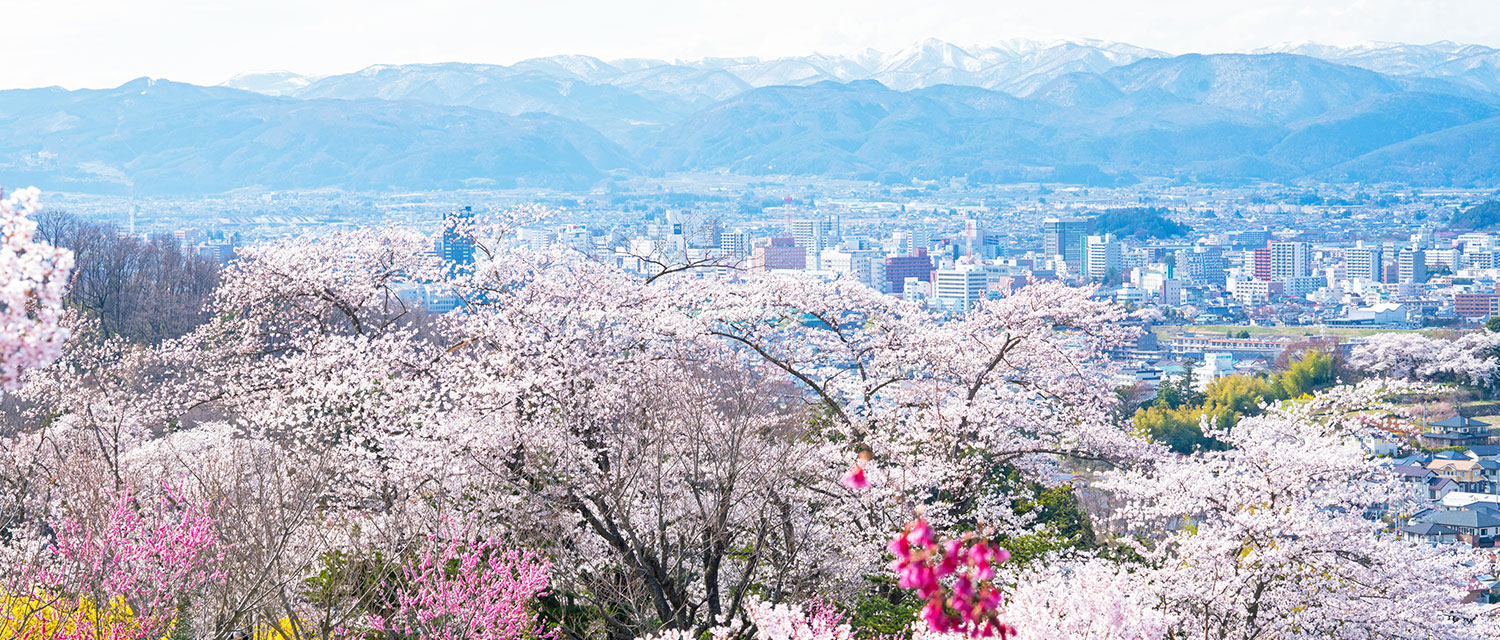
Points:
x=1083, y=598
x=1274, y=537
x=1471, y=358
x=35, y=277
x=688, y=454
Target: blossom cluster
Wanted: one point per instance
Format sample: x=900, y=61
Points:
x=971, y=603
x=33, y=278
x=119, y=576
x=462, y=591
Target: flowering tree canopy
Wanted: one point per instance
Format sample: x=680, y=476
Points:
x=33, y=278
x=686, y=454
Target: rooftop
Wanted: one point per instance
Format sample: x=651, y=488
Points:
x=1459, y=422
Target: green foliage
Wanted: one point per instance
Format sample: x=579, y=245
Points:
x=578, y=616
x=1138, y=222
x=1177, y=393
x=1064, y=524
x=343, y=580
x=886, y=612
x=1479, y=216
x=1240, y=395
x=1313, y=371
x=1174, y=418
x=1179, y=428
x=182, y=628
x=1493, y=324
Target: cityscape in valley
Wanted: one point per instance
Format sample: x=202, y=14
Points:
x=1030, y=338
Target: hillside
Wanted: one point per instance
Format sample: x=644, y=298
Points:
x=1095, y=114
x=1137, y=222
x=1462, y=156
x=1480, y=216
x=162, y=137
x=1204, y=118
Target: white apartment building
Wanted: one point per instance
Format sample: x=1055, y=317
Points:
x=960, y=288
x=1290, y=260
x=1101, y=256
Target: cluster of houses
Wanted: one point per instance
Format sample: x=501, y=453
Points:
x=1459, y=487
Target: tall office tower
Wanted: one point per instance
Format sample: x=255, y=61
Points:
x=1064, y=237
x=1362, y=263
x=1290, y=260
x=972, y=242
x=1203, y=266
x=866, y=266
x=911, y=240
x=1103, y=256
x=458, y=241
x=1411, y=266
x=815, y=235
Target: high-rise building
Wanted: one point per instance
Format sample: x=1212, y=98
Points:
x=1479, y=259
x=1300, y=286
x=779, y=253
x=1261, y=263
x=1203, y=266
x=1476, y=304
x=1102, y=257
x=899, y=268
x=458, y=240
x=910, y=241
x=813, y=234
x=1065, y=237
x=1290, y=260
x=867, y=266
x=977, y=243
x=1411, y=266
x=1249, y=238
x=734, y=245
x=960, y=288
x=576, y=236
x=1253, y=292
x=1362, y=263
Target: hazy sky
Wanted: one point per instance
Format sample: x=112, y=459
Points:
x=98, y=43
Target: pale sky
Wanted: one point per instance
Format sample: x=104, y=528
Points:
x=103, y=43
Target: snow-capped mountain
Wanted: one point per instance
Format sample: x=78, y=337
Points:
x=1081, y=110
x=1471, y=65
x=271, y=83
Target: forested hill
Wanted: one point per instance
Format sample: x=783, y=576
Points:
x=1093, y=115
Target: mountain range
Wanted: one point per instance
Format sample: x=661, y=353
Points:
x=1084, y=112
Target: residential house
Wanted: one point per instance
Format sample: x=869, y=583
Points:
x=1467, y=473
x=1477, y=525
x=1484, y=452
x=1457, y=431
x=1430, y=533
x=1425, y=484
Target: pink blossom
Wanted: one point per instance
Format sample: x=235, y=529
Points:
x=974, y=599
x=489, y=596
x=855, y=478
